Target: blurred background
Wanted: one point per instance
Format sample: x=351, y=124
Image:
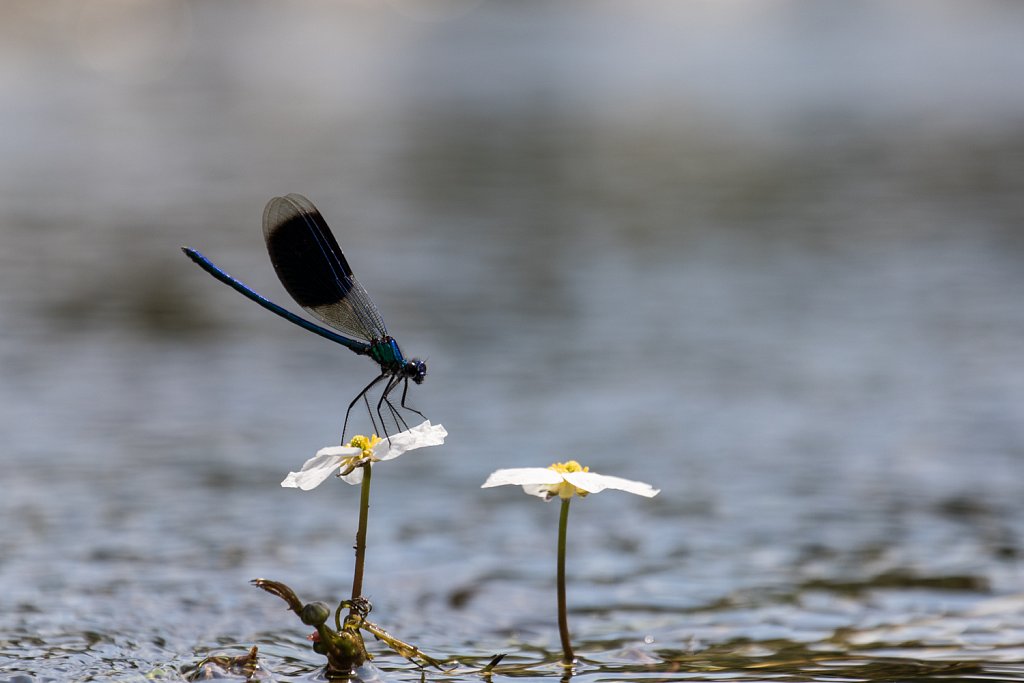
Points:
x=768, y=256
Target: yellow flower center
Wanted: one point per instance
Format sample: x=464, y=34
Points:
x=564, y=489
x=569, y=466
x=365, y=444
x=365, y=454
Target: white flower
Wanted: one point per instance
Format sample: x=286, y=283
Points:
x=565, y=480
x=346, y=461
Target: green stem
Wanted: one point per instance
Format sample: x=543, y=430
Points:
x=364, y=513
x=568, y=658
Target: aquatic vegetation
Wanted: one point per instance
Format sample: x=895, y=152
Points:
x=226, y=666
x=565, y=480
x=343, y=645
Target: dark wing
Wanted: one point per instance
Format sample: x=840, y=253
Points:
x=313, y=269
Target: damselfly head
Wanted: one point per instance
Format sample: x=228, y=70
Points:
x=416, y=370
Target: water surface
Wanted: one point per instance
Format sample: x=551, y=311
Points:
x=767, y=257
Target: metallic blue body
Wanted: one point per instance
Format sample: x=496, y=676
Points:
x=360, y=347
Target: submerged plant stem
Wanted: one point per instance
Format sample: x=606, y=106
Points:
x=364, y=513
x=568, y=658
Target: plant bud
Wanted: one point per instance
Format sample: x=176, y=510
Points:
x=315, y=613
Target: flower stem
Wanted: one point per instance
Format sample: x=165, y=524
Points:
x=568, y=658
x=364, y=513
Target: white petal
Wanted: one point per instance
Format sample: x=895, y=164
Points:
x=315, y=470
x=523, y=476
x=353, y=477
x=540, y=490
x=592, y=482
x=420, y=436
